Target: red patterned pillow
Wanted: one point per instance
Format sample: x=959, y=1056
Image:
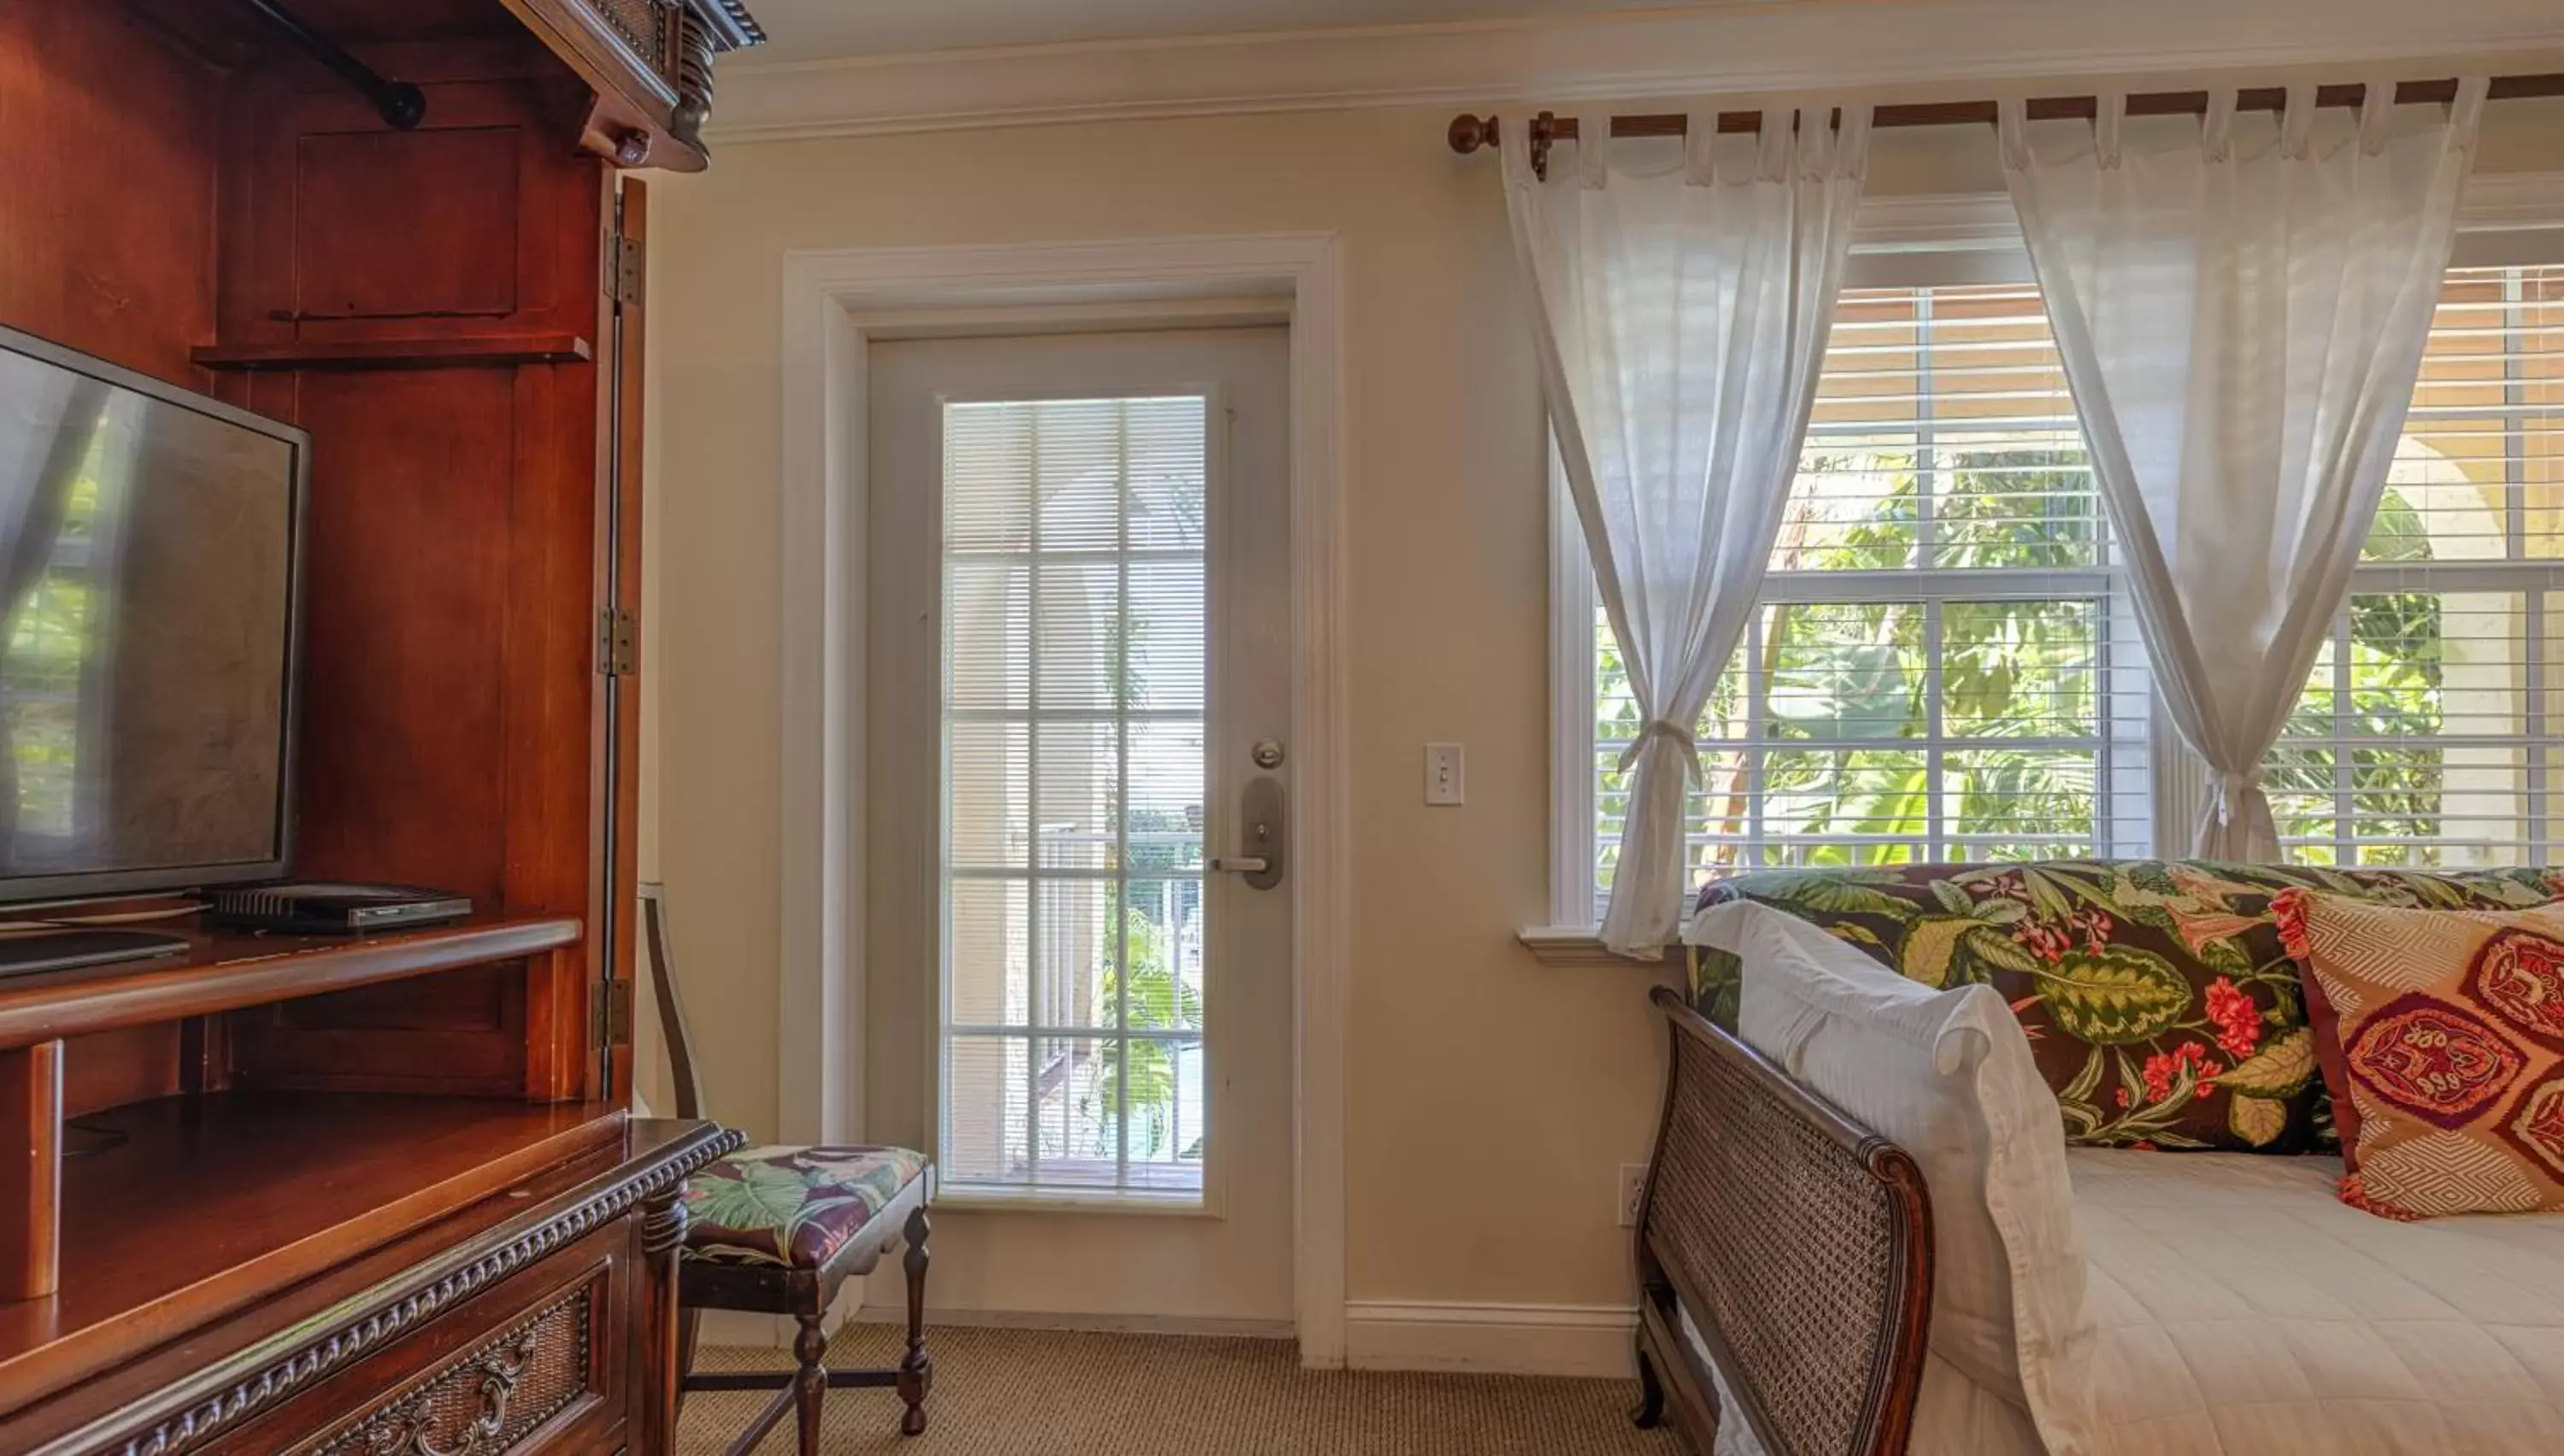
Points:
x=2441, y=1034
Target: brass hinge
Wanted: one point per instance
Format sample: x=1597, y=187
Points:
x=625, y=264
x=617, y=649
x=613, y=1014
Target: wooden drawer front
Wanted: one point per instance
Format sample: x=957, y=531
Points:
x=488, y=1400
x=538, y=1361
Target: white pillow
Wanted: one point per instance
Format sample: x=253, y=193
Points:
x=1948, y=1076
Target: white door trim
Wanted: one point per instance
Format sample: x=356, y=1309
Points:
x=833, y=301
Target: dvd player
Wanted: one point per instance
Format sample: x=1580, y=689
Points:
x=333, y=907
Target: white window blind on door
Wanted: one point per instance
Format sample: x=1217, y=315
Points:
x=1074, y=681
x=2422, y=735
x=1943, y=668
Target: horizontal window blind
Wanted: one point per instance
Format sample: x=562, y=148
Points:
x=1942, y=668
x=2422, y=734
x=1946, y=667
x=1074, y=698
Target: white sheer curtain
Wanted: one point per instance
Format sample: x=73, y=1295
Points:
x=2241, y=303
x=1684, y=290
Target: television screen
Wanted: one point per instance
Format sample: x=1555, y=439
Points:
x=148, y=548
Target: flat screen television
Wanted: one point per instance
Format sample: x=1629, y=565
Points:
x=151, y=586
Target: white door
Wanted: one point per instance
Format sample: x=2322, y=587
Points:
x=1081, y=996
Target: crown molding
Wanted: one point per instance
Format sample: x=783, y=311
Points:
x=1759, y=46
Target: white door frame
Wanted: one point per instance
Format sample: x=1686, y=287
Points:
x=834, y=301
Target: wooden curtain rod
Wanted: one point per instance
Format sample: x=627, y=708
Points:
x=1468, y=132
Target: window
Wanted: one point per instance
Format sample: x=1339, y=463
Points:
x=1074, y=683
x=1942, y=669
x=1946, y=665
x=2420, y=737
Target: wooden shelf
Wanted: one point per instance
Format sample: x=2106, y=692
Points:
x=488, y=350
x=227, y=971
x=214, y=1202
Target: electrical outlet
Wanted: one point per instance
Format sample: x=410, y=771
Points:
x=1446, y=773
x=1633, y=1190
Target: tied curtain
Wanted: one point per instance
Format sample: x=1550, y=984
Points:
x=2240, y=304
x=1683, y=293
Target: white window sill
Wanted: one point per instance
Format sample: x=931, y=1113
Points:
x=1581, y=946
x=992, y=1197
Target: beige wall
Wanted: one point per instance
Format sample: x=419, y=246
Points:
x=1491, y=1099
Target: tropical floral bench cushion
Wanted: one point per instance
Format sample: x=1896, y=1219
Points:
x=792, y=1207
x=2161, y=1006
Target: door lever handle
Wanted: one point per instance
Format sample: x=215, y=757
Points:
x=1260, y=807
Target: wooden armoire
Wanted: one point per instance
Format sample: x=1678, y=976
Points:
x=385, y=1193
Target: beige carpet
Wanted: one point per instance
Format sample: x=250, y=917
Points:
x=1058, y=1394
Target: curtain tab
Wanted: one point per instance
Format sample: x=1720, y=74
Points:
x=2217, y=128
x=1780, y=143
x=2231, y=791
x=1813, y=132
x=2376, y=113
x=2298, y=123
x=2012, y=131
x=1851, y=145
x=1594, y=150
x=2109, y=120
x=1665, y=728
x=2465, y=114
x=1700, y=149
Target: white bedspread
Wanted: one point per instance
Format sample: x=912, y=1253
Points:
x=2245, y=1310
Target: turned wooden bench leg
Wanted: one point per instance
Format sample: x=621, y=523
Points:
x=916, y=1371
x=811, y=1381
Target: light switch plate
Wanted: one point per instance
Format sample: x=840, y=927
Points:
x=1446, y=773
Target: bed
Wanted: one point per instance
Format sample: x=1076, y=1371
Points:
x=1786, y=1255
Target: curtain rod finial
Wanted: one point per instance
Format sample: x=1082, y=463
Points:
x=1468, y=132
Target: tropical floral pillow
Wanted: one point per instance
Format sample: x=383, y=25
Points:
x=2161, y=1007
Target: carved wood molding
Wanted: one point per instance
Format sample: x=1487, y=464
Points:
x=187, y=1417
x=739, y=29
x=641, y=25
x=692, y=76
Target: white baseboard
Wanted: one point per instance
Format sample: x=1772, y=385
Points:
x=1492, y=1340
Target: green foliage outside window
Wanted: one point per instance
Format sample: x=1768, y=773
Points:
x=2398, y=670
x=2023, y=710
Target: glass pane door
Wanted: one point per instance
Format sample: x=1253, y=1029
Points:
x=1075, y=694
